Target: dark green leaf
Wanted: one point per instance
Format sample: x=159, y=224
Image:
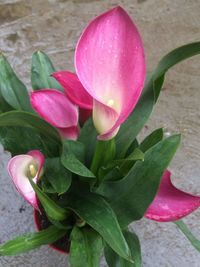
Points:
x=46, y=186
x=57, y=175
x=12, y=89
x=73, y=158
x=131, y=196
x=109, y=173
x=86, y=247
x=98, y=214
x=193, y=240
x=128, y=162
x=132, y=147
x=132, y=126
x=27, y=242
x=20, y=140
x=88, y=136
x=152, y=139
x=25, y=119
x=41, y=71
x=114, y=260
x=52, y=210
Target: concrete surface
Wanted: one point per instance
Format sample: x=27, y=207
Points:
x=54, y=26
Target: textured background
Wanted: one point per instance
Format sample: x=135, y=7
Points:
x=54, y=26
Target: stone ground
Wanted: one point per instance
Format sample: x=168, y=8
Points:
x=54, y=26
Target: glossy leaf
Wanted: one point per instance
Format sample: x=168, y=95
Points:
x=28, y=242
x=152, y=139
x=52, y=210
x=114, y=260
x=12, y=89
x=41, y=70
x=131, y=196
x=57, y=175
x=191, y=238
x=73, y=158
x=132, y=126
x=86, y=247
x=99, y=215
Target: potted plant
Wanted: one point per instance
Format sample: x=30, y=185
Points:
x=76, y=157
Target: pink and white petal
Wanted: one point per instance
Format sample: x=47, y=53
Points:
x=170, y=203
x=54, y=107
x=110, y=62
x=39, y=157
x=17, y=169
x=74, y=89
x=70, y=133
x=104, y=117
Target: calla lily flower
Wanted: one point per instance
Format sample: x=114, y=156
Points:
x=110, y=66
x=170, y=203
x=22, y=167
x=54, y=107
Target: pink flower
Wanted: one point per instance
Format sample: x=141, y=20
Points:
x=54, y=107
x=170, y=203
x=22, y=167
x=110, y=66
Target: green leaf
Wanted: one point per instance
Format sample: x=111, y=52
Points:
x=73, y=158
x=26, y=119
x=4, y=106
x=57, y=175
x=114, y=260
x=86, y=247
x=41, y=71
x=19, y=140
x=88, y=136
x=46, y=185
x=98, y=214
x=28, y=242
x=177, y=55
x=131, y=196
x=12, y=89
x=52, y=210
x=132, y=126
x=128, y=162
x=152, y=139
x=184, y=229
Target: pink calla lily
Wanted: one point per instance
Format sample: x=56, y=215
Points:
x=23, y=166
x=54, y=107
x=110, y=64
x=170, y=203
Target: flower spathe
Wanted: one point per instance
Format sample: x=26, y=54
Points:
x=54, y=107
x=74, y=89
x=110, y=64
x=170, y=203
x=22, y=167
